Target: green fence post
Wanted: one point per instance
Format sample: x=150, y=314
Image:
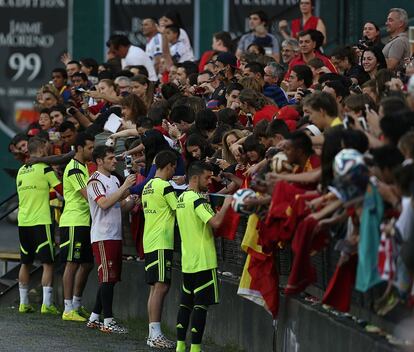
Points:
x=88, y=29
x=211, y=21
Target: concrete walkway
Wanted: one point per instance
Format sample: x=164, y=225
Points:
x=39, y=333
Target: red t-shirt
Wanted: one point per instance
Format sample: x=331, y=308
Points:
x=266, y=113
x=94, y=109
x=313, y=163
x=297, y=27
x=298, y=60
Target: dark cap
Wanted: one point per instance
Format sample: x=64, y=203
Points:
x=227, y=59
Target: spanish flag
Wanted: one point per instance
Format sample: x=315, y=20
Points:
x=259, y=282
x=228, y=228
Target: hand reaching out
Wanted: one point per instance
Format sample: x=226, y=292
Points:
x=129, y=181
x=65, y=58
x=235, y=149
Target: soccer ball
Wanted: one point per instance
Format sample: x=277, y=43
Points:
x=110, y=142
x=346, y=160
x=351, y=175
x=238, y=200
x=279, y=163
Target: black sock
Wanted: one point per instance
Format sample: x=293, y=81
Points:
x=198, y=323
x=183, y=319
x=98, y=303
x=107, y=296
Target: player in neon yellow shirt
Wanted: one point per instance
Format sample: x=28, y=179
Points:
x=196, y=221
x=159, y=202
x=75, y=238
x=34, y=219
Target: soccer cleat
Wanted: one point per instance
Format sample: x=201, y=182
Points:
x=26, y=308
x=73, y=315
x=49, y=309
x=114, y=327
x=96, y=324
x=83, y=312
x=180, y=346
x=160, y=342
x=195, y=348
x=389, y=304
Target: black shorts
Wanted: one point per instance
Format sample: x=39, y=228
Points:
x=75, y=244
x=200, y=288
x=36, y=242
x=158, y=266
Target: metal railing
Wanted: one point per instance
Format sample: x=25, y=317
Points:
x=8, y=206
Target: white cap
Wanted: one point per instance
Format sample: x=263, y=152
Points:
x=314, y=130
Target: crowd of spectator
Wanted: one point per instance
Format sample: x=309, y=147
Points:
x=325, y=141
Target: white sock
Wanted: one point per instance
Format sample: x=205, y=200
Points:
x=76, y=302
x=68, y=305
x=94, y=317
x=107, y=321
x=47, y=295
x=155, y=329
x=24, y=297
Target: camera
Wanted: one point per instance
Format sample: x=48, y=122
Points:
x=128, y=162
x=54, y=136
x=364, y=43
x=355, y=88
x=249, y=117
x=80, y=90
x=128, y=166
x=304, y=92
x=363, y=122
x=72, y=110
x=199, y=90
x=349, y=122
x=212, y=160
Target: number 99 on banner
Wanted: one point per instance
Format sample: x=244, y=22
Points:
x=29, y=64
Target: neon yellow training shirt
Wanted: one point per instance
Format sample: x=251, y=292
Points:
x=197, y=240
x=336, y=121
x=76, y=211
x=33, y=185
x=159, y=202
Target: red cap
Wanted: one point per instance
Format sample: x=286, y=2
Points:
x=33, y=132
x=288, y=113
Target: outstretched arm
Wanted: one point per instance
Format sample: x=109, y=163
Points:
x=52, y=159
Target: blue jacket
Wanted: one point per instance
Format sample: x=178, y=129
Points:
x=179, y=171
x=276, y=93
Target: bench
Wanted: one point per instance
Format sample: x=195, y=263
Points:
x=6, y=257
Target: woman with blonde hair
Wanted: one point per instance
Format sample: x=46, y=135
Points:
x=48, y=96
x=252, y=83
